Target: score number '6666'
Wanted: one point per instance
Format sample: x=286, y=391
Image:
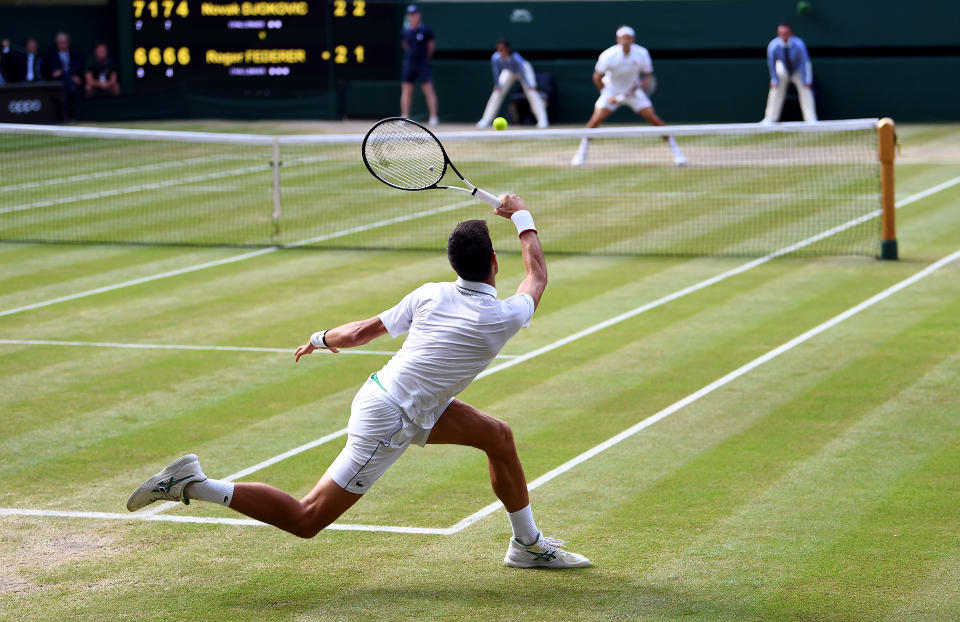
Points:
x=156, y=56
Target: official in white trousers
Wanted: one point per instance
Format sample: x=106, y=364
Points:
x=788, y=61
x=508, y=67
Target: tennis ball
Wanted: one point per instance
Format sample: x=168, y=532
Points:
x=803, y=7
x=499, y=123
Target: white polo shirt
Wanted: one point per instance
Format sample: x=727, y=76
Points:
x=455, y=331
x=621, y=72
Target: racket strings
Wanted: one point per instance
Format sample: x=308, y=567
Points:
x=405, y=155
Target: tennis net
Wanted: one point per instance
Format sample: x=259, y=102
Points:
x=746, y=189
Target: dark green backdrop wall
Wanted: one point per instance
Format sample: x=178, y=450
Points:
x=871, y=58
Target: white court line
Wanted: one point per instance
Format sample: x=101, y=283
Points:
x=563, y=468
x=172, y=346
x=496, y=505
x=236, y=258
x=139, y=516
x=716, y=384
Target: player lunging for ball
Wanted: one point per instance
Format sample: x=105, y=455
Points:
x=617, y=76
x=455, y=330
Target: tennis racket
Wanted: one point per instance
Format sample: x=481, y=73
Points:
x=403, y=154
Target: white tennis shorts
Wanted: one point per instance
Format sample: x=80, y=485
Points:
x=637, y=102
x=377, y=435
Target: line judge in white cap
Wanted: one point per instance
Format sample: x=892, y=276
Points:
x=617, y=75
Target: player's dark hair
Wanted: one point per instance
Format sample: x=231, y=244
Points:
x=787, y=24
x=469, y=250
x=505, y=43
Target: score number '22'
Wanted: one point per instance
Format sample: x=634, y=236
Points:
x=340, y=8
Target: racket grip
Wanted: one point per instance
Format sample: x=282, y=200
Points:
x=487, y=198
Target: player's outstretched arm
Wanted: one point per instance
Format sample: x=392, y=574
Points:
x=534, y=262
x=346, y=336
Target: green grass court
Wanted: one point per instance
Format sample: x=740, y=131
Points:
x=821, y=484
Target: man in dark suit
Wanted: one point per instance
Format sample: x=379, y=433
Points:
x=27, y=67
x=66, y=66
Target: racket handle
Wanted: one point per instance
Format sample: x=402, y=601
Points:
x=487, y=198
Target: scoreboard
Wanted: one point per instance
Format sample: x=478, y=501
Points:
x=221, y=44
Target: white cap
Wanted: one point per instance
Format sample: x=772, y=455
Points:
x=626, y=30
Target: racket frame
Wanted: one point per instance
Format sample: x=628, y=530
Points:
x=473, y=191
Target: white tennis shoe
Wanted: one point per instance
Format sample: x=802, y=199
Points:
x=679, y=159
x=168, y=484
x=544, y=553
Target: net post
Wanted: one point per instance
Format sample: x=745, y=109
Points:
x=275, y=164
x=886, y=133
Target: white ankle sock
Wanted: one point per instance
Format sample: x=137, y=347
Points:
x=524, y=529
x=212, y=490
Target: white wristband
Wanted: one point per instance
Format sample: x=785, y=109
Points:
x=523, y=220
x=318, y=339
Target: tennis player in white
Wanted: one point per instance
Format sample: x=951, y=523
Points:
x=617, y=77
x=455, y=329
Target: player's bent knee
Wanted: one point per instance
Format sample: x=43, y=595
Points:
x=307, y=526
x=306, y=532
x=501, y=438
x=309, y=522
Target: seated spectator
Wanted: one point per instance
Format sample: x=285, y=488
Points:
x=101, y=76
x=29, y=65
x=66, y=66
